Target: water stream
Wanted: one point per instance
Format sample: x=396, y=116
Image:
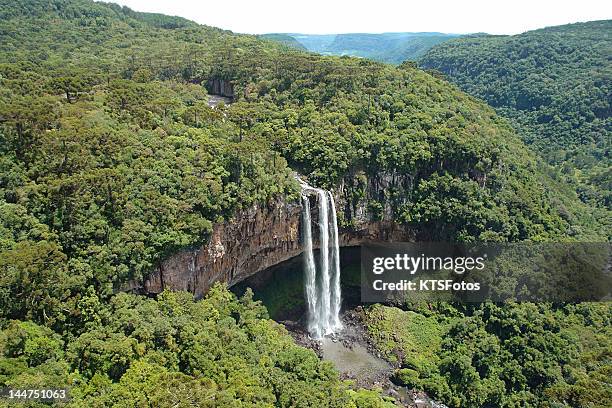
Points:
x=336, y=295
x=322, y=279
x=310, y=275
x=214, y=100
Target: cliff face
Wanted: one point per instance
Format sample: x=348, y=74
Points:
x=257, y=238
x=220, y=87
x=265, y=235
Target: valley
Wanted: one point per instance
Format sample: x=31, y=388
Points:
x=392, y=48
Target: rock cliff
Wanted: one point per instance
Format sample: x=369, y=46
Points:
x=220, y=87
x=267, y=234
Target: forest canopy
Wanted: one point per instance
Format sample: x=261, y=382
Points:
x=112, y=154
x=554, y=86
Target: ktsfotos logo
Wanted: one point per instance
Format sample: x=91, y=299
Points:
x=485, y=272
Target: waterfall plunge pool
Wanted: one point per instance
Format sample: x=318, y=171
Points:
x=281, y=289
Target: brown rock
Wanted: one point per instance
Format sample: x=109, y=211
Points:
x=267, y=234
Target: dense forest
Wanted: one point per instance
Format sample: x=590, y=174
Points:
x=111, y=160
x=554, y=86
x=515, y=355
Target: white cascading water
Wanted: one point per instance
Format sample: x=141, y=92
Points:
x=324, y=308
x=310, y=275
x=336, y=296
x=322, y=281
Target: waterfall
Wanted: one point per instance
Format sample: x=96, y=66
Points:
x=322, y=281
x=310, y=277
x=325, y=298
x=336, y=296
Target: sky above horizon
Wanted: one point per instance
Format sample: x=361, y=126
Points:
x=357, y=16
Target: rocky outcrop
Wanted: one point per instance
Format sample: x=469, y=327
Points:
x=255, y=239
x=265, y=235
x=374, y=197
x=220, y=87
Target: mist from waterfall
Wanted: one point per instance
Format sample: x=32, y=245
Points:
x=322, y=279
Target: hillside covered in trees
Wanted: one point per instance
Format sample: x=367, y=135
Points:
x=393, y=48
x=111, y=160
x=284, y=39
x=554, y=86
x=514, y=355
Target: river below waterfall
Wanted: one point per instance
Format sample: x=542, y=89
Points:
x=353, y=360
x=214, y=100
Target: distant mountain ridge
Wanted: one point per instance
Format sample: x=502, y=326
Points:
x=392, y=48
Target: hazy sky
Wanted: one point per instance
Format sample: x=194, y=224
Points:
x=375, y=16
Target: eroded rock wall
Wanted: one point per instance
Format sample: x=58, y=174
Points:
x=255, y=239
x=267, y=234
x=220, y=87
